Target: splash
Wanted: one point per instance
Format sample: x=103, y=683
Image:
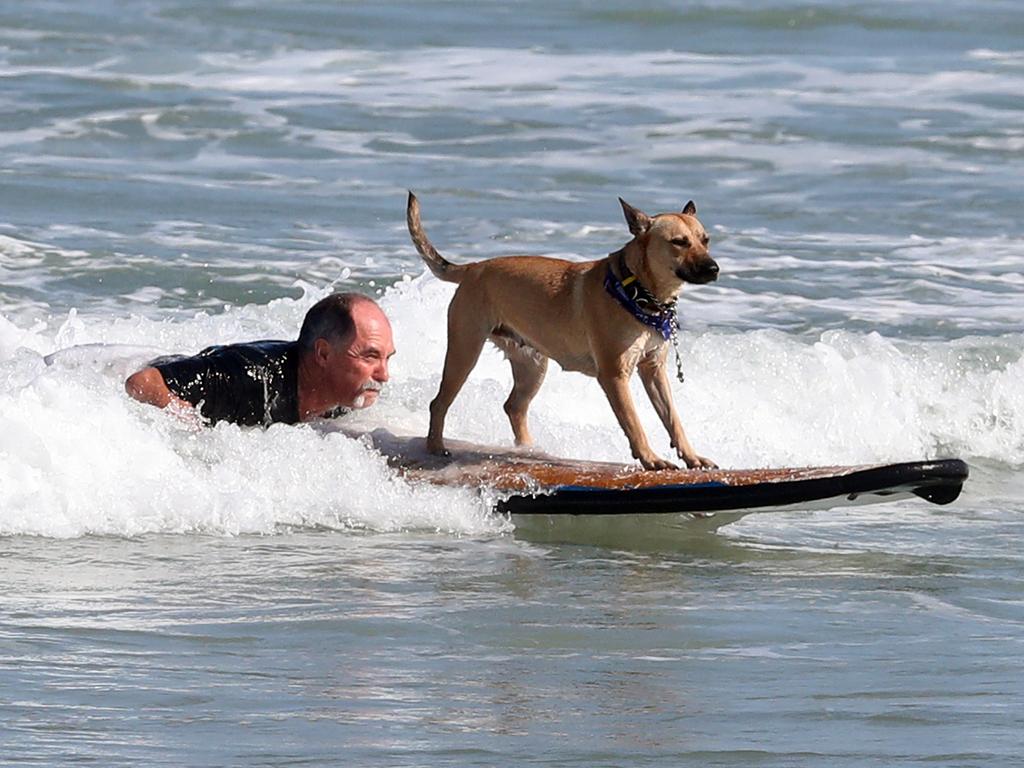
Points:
x=78, y=457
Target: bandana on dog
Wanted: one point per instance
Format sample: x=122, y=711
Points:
x=641, y=304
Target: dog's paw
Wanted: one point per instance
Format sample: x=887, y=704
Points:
x=699, y=462
x=438, y=450
x=693, y=461
x=654, y=464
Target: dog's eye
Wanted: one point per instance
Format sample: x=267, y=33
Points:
x=682, y=242
x=705, y=240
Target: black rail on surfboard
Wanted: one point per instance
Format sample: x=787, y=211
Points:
x=939, y=482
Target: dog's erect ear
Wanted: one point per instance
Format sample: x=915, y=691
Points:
x=690, y=209
x=639, y=222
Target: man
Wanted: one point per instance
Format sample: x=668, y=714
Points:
x=340, y=361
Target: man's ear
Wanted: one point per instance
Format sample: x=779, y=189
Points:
x=690, y=209
x=322, y=351
x=638, y=221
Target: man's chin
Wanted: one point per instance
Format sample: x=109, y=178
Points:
x=364, y=399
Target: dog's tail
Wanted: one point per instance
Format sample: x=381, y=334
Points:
x=439, y=265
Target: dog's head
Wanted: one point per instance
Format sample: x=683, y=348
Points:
x=675, y=244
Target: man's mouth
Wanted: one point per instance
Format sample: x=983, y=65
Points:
x=367, y=394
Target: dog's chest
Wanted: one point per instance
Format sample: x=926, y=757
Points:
x=577, y=357
x=650, y=343
x=645, y=344
x=582, y=363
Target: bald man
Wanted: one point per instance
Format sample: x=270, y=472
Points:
x=340, y=361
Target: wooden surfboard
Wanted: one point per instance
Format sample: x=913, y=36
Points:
x=531, y=483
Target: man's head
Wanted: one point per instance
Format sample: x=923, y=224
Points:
x=347, y=337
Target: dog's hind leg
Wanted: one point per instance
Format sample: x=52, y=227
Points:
x=528, y=369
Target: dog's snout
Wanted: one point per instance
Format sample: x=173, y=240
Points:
x=704, y=271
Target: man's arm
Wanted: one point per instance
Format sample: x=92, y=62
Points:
x=148, y=386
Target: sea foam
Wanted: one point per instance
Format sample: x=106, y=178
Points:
x=78, y=457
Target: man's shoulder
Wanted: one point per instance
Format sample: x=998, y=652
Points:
x=260, y=351
x=227, y=358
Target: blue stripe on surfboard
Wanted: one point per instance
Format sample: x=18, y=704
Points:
x=667, y=486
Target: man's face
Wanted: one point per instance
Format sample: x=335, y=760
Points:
x=358, y=370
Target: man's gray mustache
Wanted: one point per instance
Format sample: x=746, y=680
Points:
x=370, y=386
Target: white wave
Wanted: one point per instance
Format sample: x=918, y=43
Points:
x=78, y=457
x=755, y=398
x=19, y=253
x=1002, y=57
x=500, y=84
x=954, y=286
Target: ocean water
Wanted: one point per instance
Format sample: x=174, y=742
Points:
x=175, y=174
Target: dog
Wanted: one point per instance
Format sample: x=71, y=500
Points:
x=604, y=318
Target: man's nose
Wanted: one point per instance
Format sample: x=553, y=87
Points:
x=381, y=374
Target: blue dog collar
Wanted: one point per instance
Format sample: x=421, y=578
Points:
x=629, y=293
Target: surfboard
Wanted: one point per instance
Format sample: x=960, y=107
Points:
x=532, y=483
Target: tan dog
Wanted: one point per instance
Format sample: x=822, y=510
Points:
x=535, y=308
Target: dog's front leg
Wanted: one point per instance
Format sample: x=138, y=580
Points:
x=655, y=378
x=616, y=388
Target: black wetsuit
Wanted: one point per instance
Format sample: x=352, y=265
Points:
x=247, y=384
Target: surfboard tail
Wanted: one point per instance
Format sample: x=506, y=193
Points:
x=438, y=264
